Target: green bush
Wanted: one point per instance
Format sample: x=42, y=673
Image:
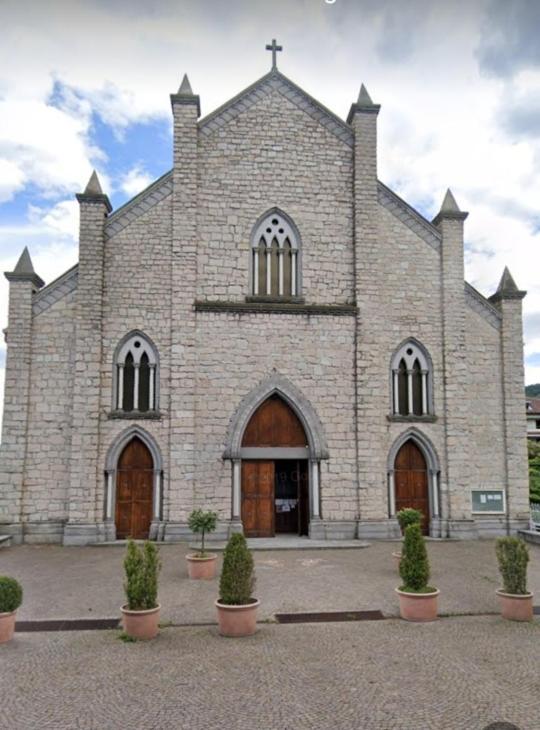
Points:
x=142, y=566
x=237, y=577
x=533, y=450
x=408, y=516
x=414, y=564
x=11, y=594
x=202, y=522
x=513, y=556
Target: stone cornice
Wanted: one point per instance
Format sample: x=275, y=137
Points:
x=95, y=198
x=332, y=310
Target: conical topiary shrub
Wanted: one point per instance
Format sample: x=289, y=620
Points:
x=237, y=576
x=516, y=601
x=236, y=607
x=414, y=567
x=417, y=600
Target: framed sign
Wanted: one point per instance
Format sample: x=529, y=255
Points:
x=488, y=501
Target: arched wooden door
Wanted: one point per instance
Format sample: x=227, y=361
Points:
x=411, y=481
x=134, y=491
x=275, y=495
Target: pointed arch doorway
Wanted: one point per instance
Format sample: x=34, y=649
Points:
x=274, y=474
x=411, y=481
x=134, y=491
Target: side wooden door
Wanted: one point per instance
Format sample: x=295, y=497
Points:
x=411, y=482
x=134, y=491
x=258, y=498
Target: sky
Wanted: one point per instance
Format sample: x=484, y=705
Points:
x=86, y=85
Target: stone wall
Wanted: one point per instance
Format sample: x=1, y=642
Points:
x=274, y=155
x=137, y=296
x=316, y=354
x=46, y=490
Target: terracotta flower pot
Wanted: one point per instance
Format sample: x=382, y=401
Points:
x=7, y=626
x=202, y=568
x=418, y=606
x=397, y=557
x=141, y=624
x=516, y=607
x=237, y=620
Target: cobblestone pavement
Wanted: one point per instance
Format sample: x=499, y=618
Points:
x=455, y=674
x=86, y=582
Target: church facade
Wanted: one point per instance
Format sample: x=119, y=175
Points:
x=267, y=331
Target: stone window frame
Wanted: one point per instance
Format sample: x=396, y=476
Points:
x=290, y=233
x=420, y=353
x=125, y=346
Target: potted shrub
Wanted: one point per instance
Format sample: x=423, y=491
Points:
x=10, y=599
x=236, y=607
x=516, y=601
x=140, y=615
x=202, y=564
x=417, y=600
x=406, y=517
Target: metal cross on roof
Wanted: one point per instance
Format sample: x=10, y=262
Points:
x=274, y=48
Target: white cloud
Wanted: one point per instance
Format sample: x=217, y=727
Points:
x=11, y=179
x=135, y=180
x=443, y=122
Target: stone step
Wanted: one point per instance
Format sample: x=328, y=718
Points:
x=530, y=536
x=5, y=541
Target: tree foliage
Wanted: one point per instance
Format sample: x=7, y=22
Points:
x=142, y=566
x=237, y=576
x=201, y=523
x=414, y=564
x=11, y=594
x=533, y=449
x=513, y=556
x=408, y=516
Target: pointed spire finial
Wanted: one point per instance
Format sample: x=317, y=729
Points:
x=93, y=186
x=364, y=104
x=449, y=209
x=507, y=288
x=24, y=265
x=449, y=204
x=185, y=95
x=507, y=283
x=364, y=99
x=24, y=270
x=185, y=87
x=93, y=193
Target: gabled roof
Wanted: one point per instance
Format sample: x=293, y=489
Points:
x=56, y=290
x=146, y=199
x=276, y=81
x=409, y=216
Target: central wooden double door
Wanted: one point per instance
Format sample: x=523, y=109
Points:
x=275, y=497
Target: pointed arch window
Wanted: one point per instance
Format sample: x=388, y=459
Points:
x=136, y=375
x=275, y=256
x=412, y=378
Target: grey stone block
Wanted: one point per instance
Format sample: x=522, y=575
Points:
x=378, y=529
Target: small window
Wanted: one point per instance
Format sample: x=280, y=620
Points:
x=275, y=258
x=411, y=381
x=136, y=375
